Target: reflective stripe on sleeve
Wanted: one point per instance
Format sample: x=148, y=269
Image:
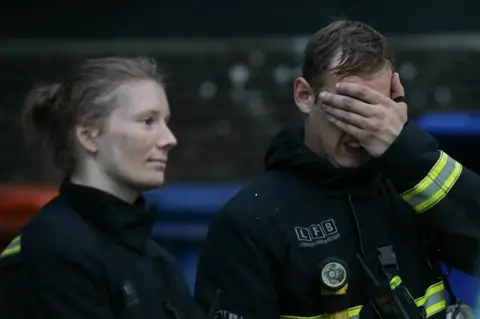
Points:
x=434, y=300
x=13, y=248
x=435, y=186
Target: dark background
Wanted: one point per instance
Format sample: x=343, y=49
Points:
x=217, y=18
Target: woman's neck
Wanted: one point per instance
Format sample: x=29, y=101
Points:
x=105, y=183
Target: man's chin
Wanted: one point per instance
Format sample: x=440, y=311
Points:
x=352, y=162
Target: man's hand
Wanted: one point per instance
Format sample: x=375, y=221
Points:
x=371, y=117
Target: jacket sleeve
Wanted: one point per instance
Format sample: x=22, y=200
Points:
x=443, y=193
x=69, y=287
x=234, y=278
x=182, y=295
x=179, y=292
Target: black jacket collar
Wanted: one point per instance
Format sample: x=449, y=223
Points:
x=288, y=152
x=130, y=224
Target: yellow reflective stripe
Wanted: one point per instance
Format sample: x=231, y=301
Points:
x=436, y=308
x=428, y=180
x=13, y=248
x=395, y=282
x=443, y=191
x=353, y=313
x=434, y=300
x=435, y=186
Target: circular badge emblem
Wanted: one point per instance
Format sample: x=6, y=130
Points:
x=334, y=275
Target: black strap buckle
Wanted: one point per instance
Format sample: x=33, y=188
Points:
x=388, y=259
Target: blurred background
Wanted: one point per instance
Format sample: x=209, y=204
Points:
x=230, y=69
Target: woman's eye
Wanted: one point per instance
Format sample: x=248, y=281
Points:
x=148, y=121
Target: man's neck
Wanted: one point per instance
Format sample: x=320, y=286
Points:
x=311, y=141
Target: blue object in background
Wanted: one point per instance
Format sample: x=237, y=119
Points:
x=466, y=288
x=186, y=209
x=202, y=198
x=450, y=123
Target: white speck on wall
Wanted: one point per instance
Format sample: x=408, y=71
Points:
x=282, y=74
x=208, y=90
x=407, y=71
x=239, y=74
x=443, y=95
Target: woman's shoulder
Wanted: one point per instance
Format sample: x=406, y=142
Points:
x=56, y=229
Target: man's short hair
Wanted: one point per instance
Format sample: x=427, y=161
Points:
x=344, y=48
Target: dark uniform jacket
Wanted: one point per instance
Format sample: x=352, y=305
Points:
x=264, y=248
x=87, y=254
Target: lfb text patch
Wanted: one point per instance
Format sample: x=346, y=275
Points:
x=317, y=234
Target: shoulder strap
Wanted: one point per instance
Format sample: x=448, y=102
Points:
x=434, y=263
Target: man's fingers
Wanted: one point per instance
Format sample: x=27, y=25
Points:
x=347, y=117
x=346, y=103
x=397, y=87
x=361, y=92
x=345, y=127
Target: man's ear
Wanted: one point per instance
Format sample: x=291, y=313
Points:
x=304, y=95
x=87, y=136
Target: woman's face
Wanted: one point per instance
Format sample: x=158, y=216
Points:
x=133, y=146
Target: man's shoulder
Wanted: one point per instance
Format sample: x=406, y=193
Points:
x=260, y=199
x=265, y=189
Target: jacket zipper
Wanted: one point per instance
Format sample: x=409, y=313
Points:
x=357, y=223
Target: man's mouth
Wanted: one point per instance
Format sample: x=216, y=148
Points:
x=354, y=145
